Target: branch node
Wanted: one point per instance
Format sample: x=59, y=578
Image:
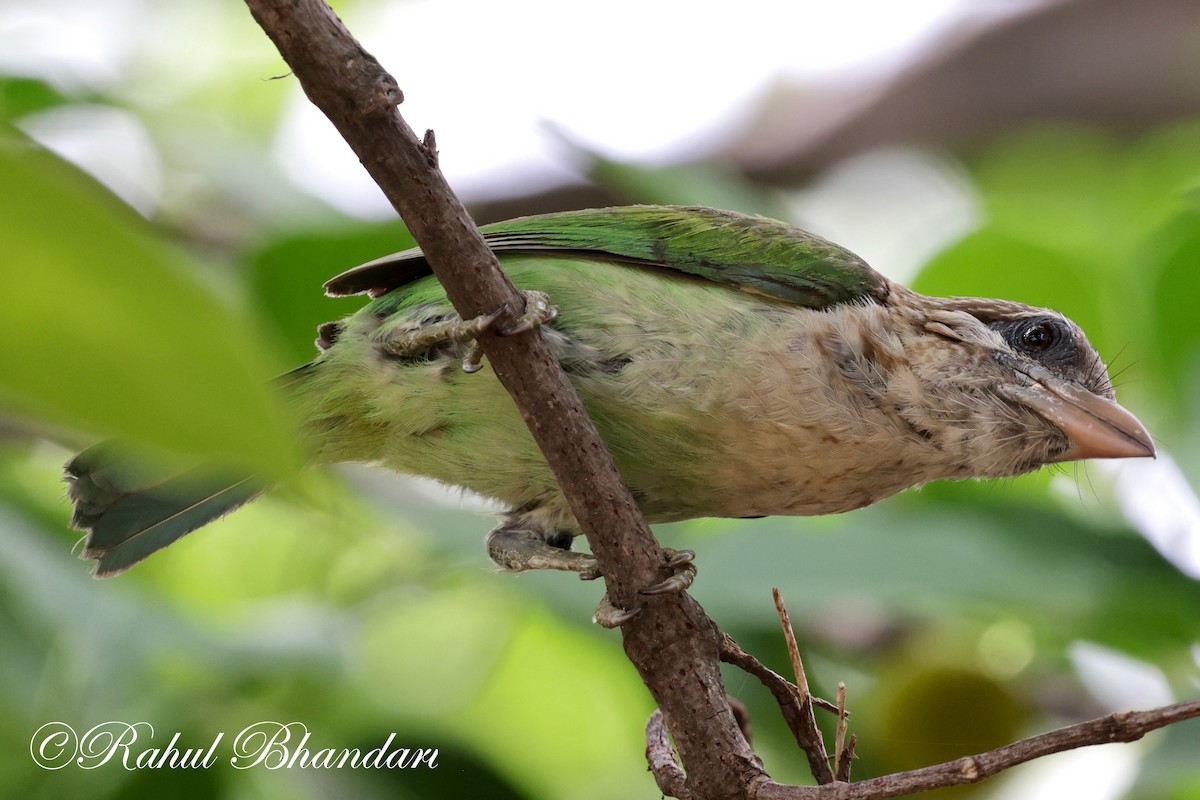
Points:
x=385, y=94
x=429, y=143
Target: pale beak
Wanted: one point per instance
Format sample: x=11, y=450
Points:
x=1096, y=426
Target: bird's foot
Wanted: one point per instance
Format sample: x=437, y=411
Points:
x=683, y=573
x=610, y=616
x=409, y=343
x=521, y=543
x=538, y=311
x=518, y=545
x=413, y=342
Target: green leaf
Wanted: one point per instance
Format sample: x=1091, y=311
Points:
x=105, y=330
x=1061, y=186
x=1172, y=256
x=994, y=263
x=286, y=277
x=700, y=184
x=20, y=96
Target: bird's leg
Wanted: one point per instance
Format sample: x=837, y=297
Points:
x=538, y=312
x=405, y=343
x=525, y=540
x=410, y=342
x=683, y=573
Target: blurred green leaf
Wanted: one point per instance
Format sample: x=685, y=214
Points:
x=704, y=184
x=1174, y=257
x=20, y=96
x=1165, y=175
x=1061, y=187
x=285, y=278
x=911, y=559
x=996, y=263
x=105, y=331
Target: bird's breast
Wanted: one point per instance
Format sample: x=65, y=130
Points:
x=826, y=417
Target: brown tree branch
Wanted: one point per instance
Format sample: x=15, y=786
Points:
x=672, y=642
x=796, y=713
x=1126, y=726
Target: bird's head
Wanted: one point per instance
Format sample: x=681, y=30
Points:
x=1033, y=388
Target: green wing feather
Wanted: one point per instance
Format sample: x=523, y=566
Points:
x=129, y=511
x=754, y=254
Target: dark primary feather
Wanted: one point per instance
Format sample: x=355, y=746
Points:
x=755, y=254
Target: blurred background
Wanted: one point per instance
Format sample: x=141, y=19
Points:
x=170, y=205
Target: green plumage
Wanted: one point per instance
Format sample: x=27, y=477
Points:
x=418, y=416
x=735, y=366
x=755, y=254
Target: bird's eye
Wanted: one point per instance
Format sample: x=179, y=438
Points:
x=1038, y=337
x=1047, y=339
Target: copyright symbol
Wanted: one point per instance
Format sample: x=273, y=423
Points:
x=53, y=745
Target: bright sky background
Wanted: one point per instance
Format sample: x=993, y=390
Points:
x=636, y=80
x=641, y=80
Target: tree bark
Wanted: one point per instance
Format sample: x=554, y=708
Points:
x=672, y=642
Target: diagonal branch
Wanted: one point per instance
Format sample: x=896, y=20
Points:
x=672, y=637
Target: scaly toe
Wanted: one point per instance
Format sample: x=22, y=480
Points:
x=590, y=572
x=680, y=561
x=538, y=312
x=609, y=616
x=677, y=558
x=473, y=360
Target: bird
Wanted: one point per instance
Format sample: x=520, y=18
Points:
x=734, y=365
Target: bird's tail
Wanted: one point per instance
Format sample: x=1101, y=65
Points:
x=129, y=511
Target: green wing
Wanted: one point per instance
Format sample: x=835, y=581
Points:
x=754, y=254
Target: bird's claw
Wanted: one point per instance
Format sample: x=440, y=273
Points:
x=609, y=616
x=473, y=360
x=680, y=561
x=682, y=564
x=520, y=543
x=591, y=572
x=538, y=311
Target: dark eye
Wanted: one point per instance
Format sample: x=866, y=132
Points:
x=1048, y=339
x=1038, y=337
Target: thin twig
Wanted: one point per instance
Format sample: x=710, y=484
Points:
x=789, y=636
x=797, y=715
x=839, y=740
x=811, y=740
